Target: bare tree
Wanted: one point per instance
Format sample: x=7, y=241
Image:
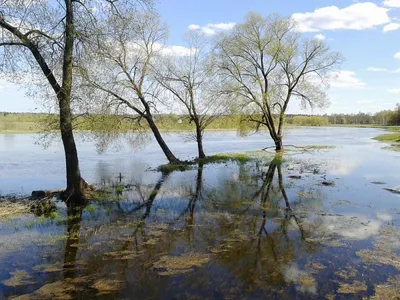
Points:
x=46, y=33
x=40, y=36
x=190, y=80
x=265, y=63
x=121, y=66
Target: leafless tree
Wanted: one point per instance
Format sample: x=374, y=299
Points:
x=265, y=63
x=45, y=37
x=190, y=80
x=121, y=66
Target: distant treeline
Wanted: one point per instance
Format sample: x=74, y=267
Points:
x=25, y=122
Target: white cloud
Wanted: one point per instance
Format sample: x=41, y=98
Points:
x=194, y=27
x=391, y=27
x=397, y=55
x=212, y=28
x=343, y=167
x=320, y=36
x=384, y=217
x=357, y=16
x=359, y=228
x=4, y=84
x=394, y=91
x=365, y=101
x=373, y=69
x=345, y=79
x=177, y=51
x=392, y=3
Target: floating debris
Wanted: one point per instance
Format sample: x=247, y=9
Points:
x=395, y=190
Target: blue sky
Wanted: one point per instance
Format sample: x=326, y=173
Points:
x=367, y=33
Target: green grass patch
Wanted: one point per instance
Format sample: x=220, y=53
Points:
x=389, y=137
x=119, y=189
x=241, y=157
x=90, y=208
x=169, y=168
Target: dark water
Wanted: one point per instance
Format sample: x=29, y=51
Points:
x=220, y=231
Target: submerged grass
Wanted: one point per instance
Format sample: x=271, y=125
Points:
x=385, y=250
x=18, y=278
x=55, y=290
x=389, y=290
x=353, y=288
x=393, y=138
x=173, y=265
x=10, y=209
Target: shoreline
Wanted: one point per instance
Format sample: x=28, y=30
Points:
x=387, y=128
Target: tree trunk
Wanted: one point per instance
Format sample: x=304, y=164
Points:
x=75, y=184
x=278, y=144
x=74, y=193
x=199, y=139
x=168, y=153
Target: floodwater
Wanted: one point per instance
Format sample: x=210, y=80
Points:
x=315, y=225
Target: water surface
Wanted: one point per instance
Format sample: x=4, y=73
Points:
x=219, y=231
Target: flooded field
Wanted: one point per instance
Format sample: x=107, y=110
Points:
x=315, y=224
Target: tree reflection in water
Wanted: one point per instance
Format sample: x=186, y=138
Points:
x=241, y=228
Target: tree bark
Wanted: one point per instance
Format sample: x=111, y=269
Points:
x=164, y=147
x=199, y=139
x=74, y=193
x=75, y=183
x=278, y=144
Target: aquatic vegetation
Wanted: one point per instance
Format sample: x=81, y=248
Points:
x=90, y=208
x=392, y=147
x=10, y=209
x=388, y=137
x=248, y=225
x=19, y=277
x=119, y=189
x=386, y=249
x=388, y=290
x=173, y=265
x=56, y=290
x=319, y=147
x=347, y=273
x=105, y=286
x=304, y=282
x=48, y=268
x=237, y=157
x=314, y=267
x=352, y=288
x=168, y=168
